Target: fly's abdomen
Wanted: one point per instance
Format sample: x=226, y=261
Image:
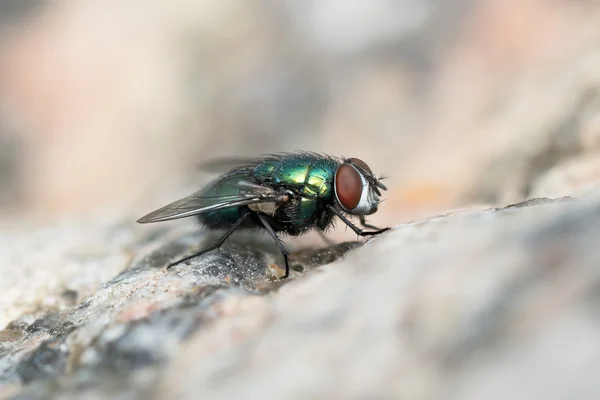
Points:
x=215, y=194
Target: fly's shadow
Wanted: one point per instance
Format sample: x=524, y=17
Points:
x=244, y=248
x=245, y=256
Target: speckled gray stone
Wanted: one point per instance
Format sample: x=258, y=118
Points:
x=497, y=303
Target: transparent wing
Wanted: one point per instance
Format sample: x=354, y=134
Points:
x=222, y=164
x=211, y=200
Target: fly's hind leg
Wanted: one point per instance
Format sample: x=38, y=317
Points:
x=282, y=249
x=214, y=246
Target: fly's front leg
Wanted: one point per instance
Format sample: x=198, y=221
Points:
x=323, y=222
x=355, y=228
x=364, y=224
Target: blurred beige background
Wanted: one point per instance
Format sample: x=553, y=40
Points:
x=111, y=103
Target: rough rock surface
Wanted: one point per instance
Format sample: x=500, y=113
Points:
x=494, y=303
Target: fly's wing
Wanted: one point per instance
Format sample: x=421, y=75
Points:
x=230, y=191
x=229, y=163
x=219, y=165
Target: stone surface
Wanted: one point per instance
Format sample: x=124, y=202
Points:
x=492, y=303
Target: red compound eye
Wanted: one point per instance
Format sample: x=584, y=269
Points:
x=348, y=186
x=361, y=164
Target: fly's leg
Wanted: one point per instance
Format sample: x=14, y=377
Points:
x=355, y=228
x=215, y=245
x=325, y=238
x=323, y=222
x=282, y=249
x=364, y=224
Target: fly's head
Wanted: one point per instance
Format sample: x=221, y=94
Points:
x=357, y=190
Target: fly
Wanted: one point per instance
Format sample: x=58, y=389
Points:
x=289, y=193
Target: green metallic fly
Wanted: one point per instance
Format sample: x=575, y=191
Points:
x=289, y=193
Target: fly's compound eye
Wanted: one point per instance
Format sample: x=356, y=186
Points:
x=361, y=164
x=348, y=186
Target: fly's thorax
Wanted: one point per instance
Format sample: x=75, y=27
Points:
x=307, y=210
x=355, y=188
x=310, y=177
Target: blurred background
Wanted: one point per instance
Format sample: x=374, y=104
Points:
x=112, y=104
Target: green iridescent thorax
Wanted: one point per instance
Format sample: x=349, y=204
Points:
x=307, y=210
x=310, y=176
